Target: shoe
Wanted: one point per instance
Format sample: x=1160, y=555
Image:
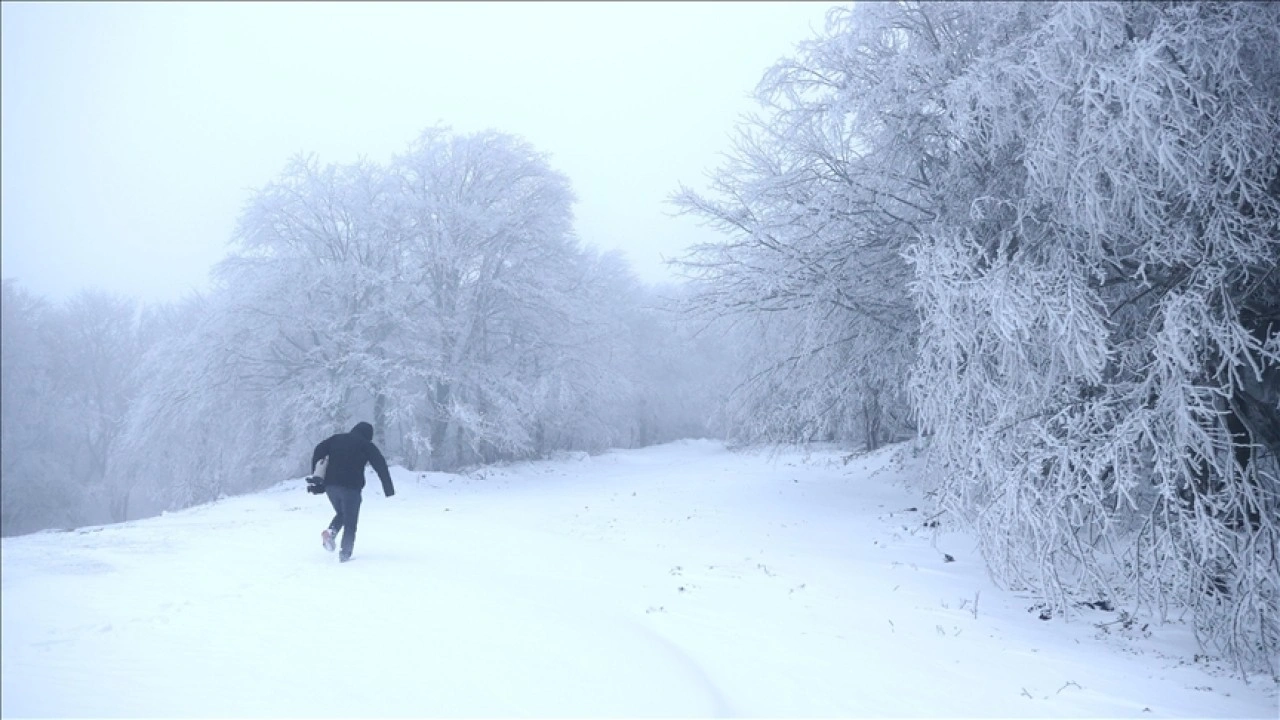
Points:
x=326, y=539
x=344, y=556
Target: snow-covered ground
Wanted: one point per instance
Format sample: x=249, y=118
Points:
x=682, y=580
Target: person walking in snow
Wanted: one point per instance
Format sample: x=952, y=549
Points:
x=348, y=453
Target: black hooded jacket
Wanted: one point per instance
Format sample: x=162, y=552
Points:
x=348, y=453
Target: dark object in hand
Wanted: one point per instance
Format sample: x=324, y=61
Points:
x=315, y=485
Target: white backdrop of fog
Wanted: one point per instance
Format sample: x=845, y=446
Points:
x=134, y=133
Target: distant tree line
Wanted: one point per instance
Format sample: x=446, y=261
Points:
x=443, y=297
x=1047, y=235
x=66, y=380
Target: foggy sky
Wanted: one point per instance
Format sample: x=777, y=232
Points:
x=134, y=133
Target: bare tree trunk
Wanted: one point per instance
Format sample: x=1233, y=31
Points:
x=439, y=425
x=380, y=419
x=872, y=420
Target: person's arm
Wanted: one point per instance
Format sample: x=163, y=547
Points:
x=321, y=450
x=379, y=464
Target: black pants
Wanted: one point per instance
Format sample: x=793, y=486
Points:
x=346, y=503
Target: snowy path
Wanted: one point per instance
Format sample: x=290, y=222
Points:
x=682, y=580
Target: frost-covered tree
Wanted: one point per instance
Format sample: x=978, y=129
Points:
x=1101, y=305
x=581, y=383
x=818, y=199
x=489, y=261
x=311, y=287
x=67, y=381
x=94, y=354
x=247, y=377
x=35, y=491
x=1086, y=197
x=190, y=426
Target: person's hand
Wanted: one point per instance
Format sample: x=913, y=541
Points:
x=315, y=485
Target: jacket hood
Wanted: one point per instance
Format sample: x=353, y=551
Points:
x=364, y=430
